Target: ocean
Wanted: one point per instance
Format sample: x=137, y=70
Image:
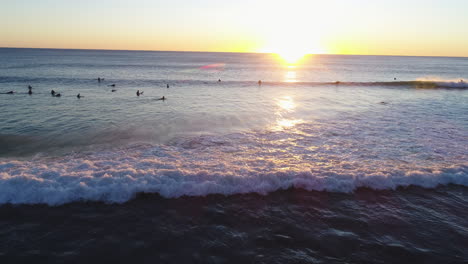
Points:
x=334, y=159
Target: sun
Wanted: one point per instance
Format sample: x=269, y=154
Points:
x=293, y=47
x=289, y=30
x=292, y=56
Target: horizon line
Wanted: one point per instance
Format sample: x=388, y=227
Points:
x=242, y=52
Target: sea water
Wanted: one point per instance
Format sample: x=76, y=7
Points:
x=328, y=126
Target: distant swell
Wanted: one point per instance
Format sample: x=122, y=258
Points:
x=418, y=84
x=412, y=84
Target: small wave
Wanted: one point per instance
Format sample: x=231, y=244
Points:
x=410, y=84
x=418, y=84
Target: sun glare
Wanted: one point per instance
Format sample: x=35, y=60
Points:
x=286, y=103
x=293, y=47
x=291, y=56
x=286, y=106
x=290, y=31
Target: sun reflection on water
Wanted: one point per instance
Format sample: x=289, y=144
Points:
x=286, y=103
x=286, y=106
x=288, y=123
x=291, y=76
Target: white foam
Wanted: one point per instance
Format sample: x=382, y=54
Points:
x=212, y=165
x=445, y=83
x=358, y=151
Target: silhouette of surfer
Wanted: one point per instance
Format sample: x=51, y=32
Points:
x=52, y=93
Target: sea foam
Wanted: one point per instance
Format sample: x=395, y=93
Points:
x=233, y=164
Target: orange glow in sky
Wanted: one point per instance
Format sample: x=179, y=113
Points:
x=290, y=28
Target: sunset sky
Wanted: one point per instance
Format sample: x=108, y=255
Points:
x=383, y=27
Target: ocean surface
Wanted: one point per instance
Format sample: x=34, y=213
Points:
x=334, y=159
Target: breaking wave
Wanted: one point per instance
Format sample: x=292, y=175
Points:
x=234, y=164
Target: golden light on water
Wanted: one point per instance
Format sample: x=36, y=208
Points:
x=290, y=75
x=288, y=123
x=286, y=105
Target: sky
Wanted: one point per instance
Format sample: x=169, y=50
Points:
x=292, y=27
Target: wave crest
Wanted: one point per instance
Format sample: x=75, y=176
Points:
x=119, y=176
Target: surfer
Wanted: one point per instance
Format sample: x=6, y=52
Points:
x=112, y=85
x=10, y=92
x=58, y=95
x=162, y=99
x=219, y=80
x=79, y=96
x=52, y=93
x=167, y=85
x=113, y=90
x=30, y=90
x=138, y=93
x=259, y=82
